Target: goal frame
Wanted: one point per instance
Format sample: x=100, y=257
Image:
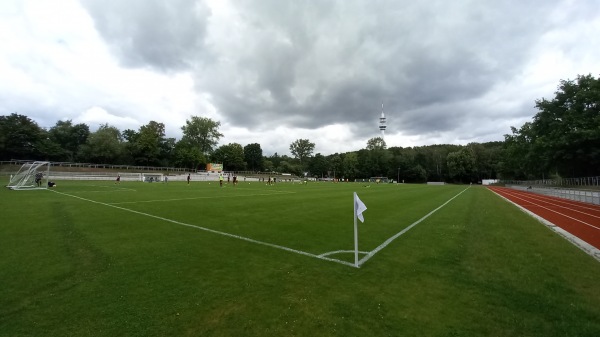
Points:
x=24, y=179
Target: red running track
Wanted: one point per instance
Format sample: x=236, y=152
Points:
x=580, y=219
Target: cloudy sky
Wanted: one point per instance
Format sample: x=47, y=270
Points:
x=273, y=71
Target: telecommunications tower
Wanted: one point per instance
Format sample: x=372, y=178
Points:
x=382, y=122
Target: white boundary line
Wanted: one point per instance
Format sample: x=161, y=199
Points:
x=586, y=247
x=323, y=256
x=341, y=252
x=388, y=241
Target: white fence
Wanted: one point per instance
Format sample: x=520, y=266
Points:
x=588, y=196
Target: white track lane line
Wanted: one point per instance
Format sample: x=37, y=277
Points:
x=551, y=210
x=586, y=247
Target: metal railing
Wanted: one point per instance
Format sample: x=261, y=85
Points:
x=587, y=196
x=103, y=166
x=586, y=182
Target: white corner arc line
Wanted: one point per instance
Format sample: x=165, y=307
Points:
x=341, y=252
x=388, y=241
x=215, y=231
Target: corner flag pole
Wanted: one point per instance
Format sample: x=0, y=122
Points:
x=355, y=233
x=359, y=208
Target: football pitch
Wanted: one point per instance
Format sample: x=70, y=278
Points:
x=95, y=258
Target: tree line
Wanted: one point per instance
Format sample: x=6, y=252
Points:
x=562, y=140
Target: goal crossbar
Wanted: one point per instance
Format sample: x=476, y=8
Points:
x=31, y=176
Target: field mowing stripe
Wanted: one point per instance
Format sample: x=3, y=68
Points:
x=195, y=198
x=388, y=241
x=214, y=231
x=106, y=191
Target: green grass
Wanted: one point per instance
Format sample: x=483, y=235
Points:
x=117, y=260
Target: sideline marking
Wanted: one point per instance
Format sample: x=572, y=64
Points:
x=320, y=256
x=107, y=189
x=388, y=241
x=215, y=231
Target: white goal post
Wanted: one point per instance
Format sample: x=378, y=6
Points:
x=152, y=177
x=31, y=176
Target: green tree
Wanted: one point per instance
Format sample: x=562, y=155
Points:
x=563, y=138
x=567, y=128
x=335, y=165
x=366, y=166
x=253, y=156
x=376, y=143
x=20, y=138
x=201, y=132
x=130, y=146
x=288, y=167
x=379, y=158
x=167, y=151
x=105, y=146
x=268, y=165
x=231, y=155
x=318, y=166
x=461, y=165
x=415, y=174
x=186, y=155
x=517, y=162
x=302, y=149
x=69, y=138
x=401, y=162
x=350, y=166
x=150, y=144
x=487, y=156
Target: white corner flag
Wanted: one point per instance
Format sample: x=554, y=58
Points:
x=359, y=208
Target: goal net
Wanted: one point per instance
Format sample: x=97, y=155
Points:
x=153, y=177
x=31, y=176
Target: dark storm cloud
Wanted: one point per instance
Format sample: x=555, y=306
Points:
x=356, y=56
x=311, y=64
x=165, y=35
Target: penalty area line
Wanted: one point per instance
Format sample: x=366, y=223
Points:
x=292, y=250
